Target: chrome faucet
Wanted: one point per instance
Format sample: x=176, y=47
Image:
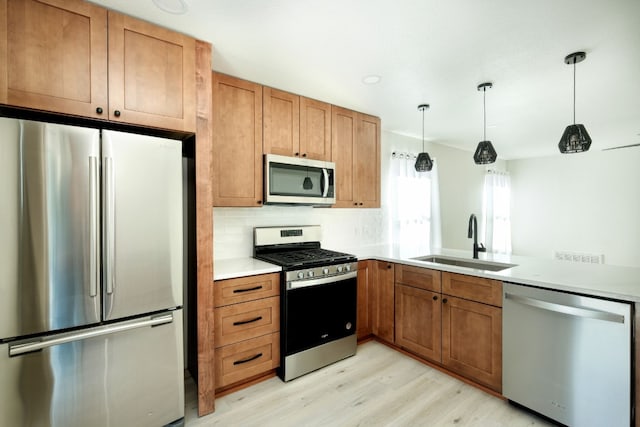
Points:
x=473, y=232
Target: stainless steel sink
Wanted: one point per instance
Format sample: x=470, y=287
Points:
x=468, y=263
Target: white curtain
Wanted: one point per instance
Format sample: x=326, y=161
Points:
x=497, y=211
x=414, y=205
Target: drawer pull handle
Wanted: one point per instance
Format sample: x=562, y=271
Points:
x=237, y=291
x=248, y=359
x=244, y=322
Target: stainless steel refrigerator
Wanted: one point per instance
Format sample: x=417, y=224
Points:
x=91, y=274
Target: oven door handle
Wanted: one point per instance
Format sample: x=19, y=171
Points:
x=296, y=284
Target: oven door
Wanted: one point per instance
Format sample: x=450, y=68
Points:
x=318, y=311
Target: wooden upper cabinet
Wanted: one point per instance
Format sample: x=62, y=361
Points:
x=281, y=126
x=151, y=75
x=237, y=142
x=355, y=148
x=53, y=56
x=367, y=157
x=295, y=126
x=343, y=139
x=315, y=129
x=73, y=57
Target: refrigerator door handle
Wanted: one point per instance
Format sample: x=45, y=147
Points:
x=30, y=347
x=94, y=191
x=109, y=223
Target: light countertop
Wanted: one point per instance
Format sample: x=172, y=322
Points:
x=607, y=281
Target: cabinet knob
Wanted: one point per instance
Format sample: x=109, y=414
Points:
x=360, y=203
x=388, y=266
x=297, y=154
x=259, y=202
x=355, y=204
x=304, y=155
x=435, y=298
x=99, y=110
x=444, y=300
x=116, y=113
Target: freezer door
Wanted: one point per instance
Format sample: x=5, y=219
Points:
x=142, y=227
x=125, y=374
x=49, y=227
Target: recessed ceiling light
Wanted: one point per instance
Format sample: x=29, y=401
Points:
x=371, y=79
x=176, y=7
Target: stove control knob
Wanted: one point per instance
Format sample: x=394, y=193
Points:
x=325, y=270
x=340, y=268
x=300, y=275
x=310, y=274
x=348, y=267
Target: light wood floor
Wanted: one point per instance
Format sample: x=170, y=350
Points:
x=377, y=387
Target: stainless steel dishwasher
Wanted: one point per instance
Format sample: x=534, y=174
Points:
x=567, y=356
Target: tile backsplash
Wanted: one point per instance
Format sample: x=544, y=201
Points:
x=342, y=229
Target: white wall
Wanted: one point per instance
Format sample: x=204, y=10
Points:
x=588, y=202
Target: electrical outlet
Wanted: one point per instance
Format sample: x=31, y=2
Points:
x=582, y=257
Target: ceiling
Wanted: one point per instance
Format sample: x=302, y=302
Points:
x=437, y=52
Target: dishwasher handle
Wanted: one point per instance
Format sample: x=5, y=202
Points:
x=566, y=309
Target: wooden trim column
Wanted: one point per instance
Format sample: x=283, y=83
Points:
x=204, y=230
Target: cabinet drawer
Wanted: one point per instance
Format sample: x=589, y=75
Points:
x=239, y=322
x=473, y=288
x=243, y=360
x=242, y=289
x=418, y=277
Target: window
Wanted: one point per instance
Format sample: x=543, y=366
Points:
x=414, y=206
x=496, y=210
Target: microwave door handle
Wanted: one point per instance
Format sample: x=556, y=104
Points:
x=325, y=187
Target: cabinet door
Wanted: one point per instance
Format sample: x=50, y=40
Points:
x=281, y=122
x=343, y=135
x=315, y=129
x=151, y=75
x=237, y=142
x=364, y=300
x=383, y=303
x=53, y=56
x=418, y=321
x=367, y=162
x=472, y=340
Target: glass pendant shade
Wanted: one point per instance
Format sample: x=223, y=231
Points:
x=485, y=153
x=423, y=163
x=575, y=139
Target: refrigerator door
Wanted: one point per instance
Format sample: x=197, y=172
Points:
x=142, y=224
x=49, y=227
x=124, y=374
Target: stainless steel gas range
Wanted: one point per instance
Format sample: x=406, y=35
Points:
x=318, y=292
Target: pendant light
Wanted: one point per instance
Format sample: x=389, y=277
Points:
x=575, y=138
x=423, y=162
x=485, y=153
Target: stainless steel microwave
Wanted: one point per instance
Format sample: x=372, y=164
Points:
x=298, y=181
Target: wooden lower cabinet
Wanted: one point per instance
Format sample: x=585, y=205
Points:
x=363, y=320
x=418, y=321
x=246, y=359
x=246, y=328
x=472, y=340
x=382, y=301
